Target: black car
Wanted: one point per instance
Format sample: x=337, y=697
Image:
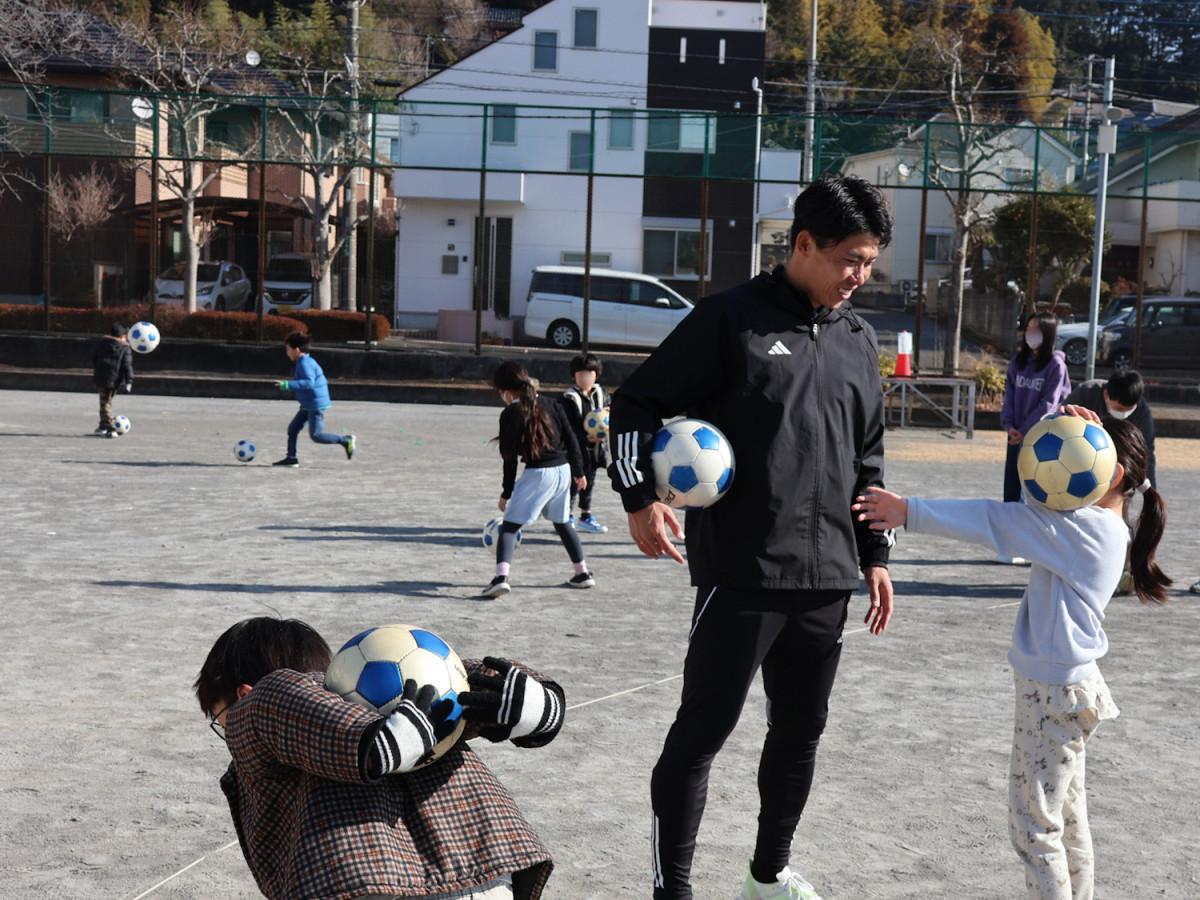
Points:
x=1170, y=335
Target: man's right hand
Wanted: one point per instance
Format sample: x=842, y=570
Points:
x=648, y=528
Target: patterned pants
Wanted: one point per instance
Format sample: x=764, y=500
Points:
x=493, y=890
x=1047, y=803
x=106, y=407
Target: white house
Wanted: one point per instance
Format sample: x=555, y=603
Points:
x=572, y=66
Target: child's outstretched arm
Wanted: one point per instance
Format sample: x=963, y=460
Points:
x=514, y=705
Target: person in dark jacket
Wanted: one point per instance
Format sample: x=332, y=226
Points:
x=536, y=430
x=787, y=370
x=583, y=397
x=1122, y=398
x=112, y=371
x=330, y=799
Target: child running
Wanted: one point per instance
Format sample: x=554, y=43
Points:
x=1061, y=696
x=312, y=391
x=536, y=431
x=578, y=401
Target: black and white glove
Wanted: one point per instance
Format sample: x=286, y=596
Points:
x=410, y=732
x=511, y=705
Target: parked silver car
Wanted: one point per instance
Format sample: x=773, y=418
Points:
x=220, y=285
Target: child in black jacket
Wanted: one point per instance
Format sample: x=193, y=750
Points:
x=583, y=397
x=112, y=370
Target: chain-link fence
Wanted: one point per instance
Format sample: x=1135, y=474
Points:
x=469, y=219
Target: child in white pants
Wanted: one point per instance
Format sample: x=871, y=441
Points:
x=1076, y=562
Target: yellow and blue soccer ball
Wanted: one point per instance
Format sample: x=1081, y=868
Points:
x=693, y=464
x=245, y=451
x=370, y=669
x=595, y=423
x=491, y=533
x=1066, y=462
x=143, y=337
x=121, y=425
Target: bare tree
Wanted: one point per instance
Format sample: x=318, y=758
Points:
x=184, y=61
x=81, y=202
x=32, y=32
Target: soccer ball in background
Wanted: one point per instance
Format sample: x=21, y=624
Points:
x=121, y=425
x=244, y=450
x=491, y=533
x=370, y=669
x=693, y=464
x=595, y=423
x=143, y=337
x=1066, y=462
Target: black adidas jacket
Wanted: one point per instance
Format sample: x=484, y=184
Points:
x=797, y=392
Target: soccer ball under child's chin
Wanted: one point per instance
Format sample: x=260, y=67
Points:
x=595, y=423
x=244, y=451
x=693, y=464
x=143, y=337
x=121, y=425
x=491, y=533
x=370, y=669
x=1066, y=462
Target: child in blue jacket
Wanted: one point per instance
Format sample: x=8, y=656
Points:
x=312, y=391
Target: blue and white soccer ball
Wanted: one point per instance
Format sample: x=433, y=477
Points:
x=143, y=337
x=595, y=423
x=121, y=425
x=491, y=533
x=370, y=669
x=693, y=464
x=244, y=450
x=1066, y=462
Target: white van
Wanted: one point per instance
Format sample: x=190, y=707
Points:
x=625, y=308
x=288, y=283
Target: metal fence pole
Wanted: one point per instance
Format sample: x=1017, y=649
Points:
x=368, y=305
x=480, y=236
x=47, y=103
x=587, y=233
x=260, y=301
x=921, y=257
x=1031, y=262
x=154, y=222
x=703, y=267
x=1141, y=286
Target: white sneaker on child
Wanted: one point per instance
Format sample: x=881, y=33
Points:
x=788, y=886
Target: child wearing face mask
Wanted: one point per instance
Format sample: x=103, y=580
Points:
x=1121, y=397
x=1037, y=384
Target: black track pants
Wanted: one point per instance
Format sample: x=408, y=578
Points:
x=796, y=637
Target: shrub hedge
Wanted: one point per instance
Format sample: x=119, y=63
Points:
x=335, y=325
x=236, y=326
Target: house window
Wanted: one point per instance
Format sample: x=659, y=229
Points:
x=504, y=124
x=937, y=247
x=575, y=258
x=585, y=27
x=580, y=151
x=545, y=51
x=620, y=129
x=69, y=106
x=674, y=253
x=394, y=149
x=450, y=265
x=360, y=174
x=681, y=132
x=1015, y=177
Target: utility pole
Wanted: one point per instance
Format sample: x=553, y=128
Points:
x=1106, y=145
x=349, y=199
x=810, y=102
x=1087, y=114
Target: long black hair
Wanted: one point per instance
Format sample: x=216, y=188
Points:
x=1149, y=581
x=1048, y=325
x=539, y=432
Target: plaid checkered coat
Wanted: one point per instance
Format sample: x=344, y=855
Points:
x=311, y=827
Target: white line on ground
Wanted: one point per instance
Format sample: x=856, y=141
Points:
x=1004, y=605
x=151, y=890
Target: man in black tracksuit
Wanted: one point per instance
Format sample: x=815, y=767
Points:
x=790, y=374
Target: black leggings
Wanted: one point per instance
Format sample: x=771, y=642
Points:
x=506, y=546
x=796, y=637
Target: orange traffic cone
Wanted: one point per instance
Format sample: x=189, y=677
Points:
x=903, y=355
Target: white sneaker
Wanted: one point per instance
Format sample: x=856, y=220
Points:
x=1012, y=560
x=790, y=886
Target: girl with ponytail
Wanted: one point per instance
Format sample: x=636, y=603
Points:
x=1076, y=563
x=535, y=431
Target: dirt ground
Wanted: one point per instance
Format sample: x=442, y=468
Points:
x=124, y=559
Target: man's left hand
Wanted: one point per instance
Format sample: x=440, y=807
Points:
x=879, y=585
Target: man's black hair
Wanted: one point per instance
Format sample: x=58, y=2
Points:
x=586, y=362
x=299, y=340
x=1125, y=386
x=253, y=648
x=834, y=207
x=116, y=329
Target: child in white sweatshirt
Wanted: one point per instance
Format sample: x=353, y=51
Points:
x=1077, y=558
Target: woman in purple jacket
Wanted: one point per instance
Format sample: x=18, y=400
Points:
x=1036, y=385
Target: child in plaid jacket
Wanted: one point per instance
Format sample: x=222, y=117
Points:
x=315, y=815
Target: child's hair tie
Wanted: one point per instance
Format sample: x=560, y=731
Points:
x=1143, y=487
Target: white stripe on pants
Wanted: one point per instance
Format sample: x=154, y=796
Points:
x=1047, y=803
